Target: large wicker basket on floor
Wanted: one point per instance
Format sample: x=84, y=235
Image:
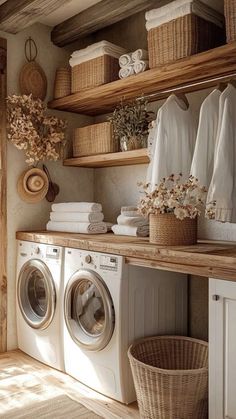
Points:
x=167, y=230
x=94, y=139
x=181, y=38
x=230, y=18
x=95, y=72
x=171, y=377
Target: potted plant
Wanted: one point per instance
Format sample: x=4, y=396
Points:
x=130, y=123
x=173, y=208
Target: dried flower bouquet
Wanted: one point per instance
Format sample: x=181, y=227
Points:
x=41, y=136
x=172, y=195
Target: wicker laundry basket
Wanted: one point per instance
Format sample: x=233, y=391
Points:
x=62, y=84
x=95, y=72
x=230, y=18
x=182, y=37
x=94, y=139
x=167, y=230
x=171, y=377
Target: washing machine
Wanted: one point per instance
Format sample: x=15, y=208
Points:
x=39, y=305
x=108, y=305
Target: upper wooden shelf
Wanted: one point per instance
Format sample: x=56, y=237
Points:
x=110, y=159
x=198, y=69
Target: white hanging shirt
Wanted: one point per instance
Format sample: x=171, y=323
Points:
x=223, y=185
x=175, y=134
x=203, y=158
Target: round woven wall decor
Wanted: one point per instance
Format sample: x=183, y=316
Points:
x=33, y=80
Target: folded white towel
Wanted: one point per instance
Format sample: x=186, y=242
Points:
x=142, y=231
x=139, y=54
x=125, y=59
x=82, y=228
x=77, y=207
x=193, y=7
x=173, y=5
x=132, y=221
x=130, y=211
x=94, y=51
x=141, y=66
x=126, y=71
x=81, y=217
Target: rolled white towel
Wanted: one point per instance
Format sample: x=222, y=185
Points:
x=132, y=221
x=141, y=66
x=125, y=59
x=82, y=217
x=81, y=228
x=126, y=71
x=77, y=207
x=139, y=54
x=142, y=231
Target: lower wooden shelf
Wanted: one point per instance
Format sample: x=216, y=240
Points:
x=125, y=158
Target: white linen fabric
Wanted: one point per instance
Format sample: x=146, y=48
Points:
x=82, y=217
x=173, y=142
x=77, y=207
x=223, y=185
x=96, y=50
x=139, y=55
x=124, y=230
x=203, y=158
x=75, y=227
x=179, y=8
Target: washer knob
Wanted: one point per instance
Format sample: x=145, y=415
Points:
x=88, y=259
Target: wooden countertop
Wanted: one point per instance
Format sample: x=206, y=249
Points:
x=208, y=260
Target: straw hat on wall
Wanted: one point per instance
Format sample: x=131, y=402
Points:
x=33, y=185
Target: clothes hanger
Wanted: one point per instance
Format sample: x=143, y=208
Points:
x=221, y=86
x=183, y=97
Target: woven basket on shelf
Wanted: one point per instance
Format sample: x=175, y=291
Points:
x=94, y=139
x=230, y=18
x=62, y=84
x=167, y=230
x=181, y=38
x=95, y=72
x=171, y=377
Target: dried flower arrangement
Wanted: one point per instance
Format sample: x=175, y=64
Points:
x=130, y=124
x=41, y=136
x=172, y=195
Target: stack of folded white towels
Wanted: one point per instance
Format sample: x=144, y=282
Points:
x=94, y=51
x=77, y=217
x=179, y=8
x=131, y=223
x=133, y=63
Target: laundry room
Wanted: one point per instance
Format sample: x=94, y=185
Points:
x=117, y=209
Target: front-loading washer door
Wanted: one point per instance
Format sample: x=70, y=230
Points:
x=89, y=312
x=36, y=294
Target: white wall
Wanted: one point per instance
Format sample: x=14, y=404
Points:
x=75, y=184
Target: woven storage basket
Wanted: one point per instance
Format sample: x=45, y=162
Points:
x=94, y=139
x=171, y=377
x=101, y=70
x=167, y=230
x=230, y=17
x=62, y=84
x=181, y=38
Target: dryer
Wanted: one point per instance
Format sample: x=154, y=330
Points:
x=39, y=305
x=108, y=305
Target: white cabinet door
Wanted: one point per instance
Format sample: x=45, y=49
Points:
x=222, y=349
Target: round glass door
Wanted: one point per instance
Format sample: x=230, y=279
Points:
x=89, y=312
x=36, y=294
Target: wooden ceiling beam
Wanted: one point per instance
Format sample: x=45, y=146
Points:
x=96, y=17
x=16, y=15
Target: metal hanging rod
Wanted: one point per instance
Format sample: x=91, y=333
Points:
x=189, y=87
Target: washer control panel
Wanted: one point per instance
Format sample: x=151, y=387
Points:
x=109, y=263
x=52, y=252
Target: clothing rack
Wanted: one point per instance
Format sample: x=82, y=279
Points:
x=189, y=87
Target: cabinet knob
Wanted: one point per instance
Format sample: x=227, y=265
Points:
x=215, y=297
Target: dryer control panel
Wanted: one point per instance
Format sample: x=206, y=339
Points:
x=109, y=263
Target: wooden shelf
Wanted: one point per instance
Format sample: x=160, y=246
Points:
x=195, y=69
x=110, y=159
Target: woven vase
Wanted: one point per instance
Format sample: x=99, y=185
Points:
x=167, y=230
